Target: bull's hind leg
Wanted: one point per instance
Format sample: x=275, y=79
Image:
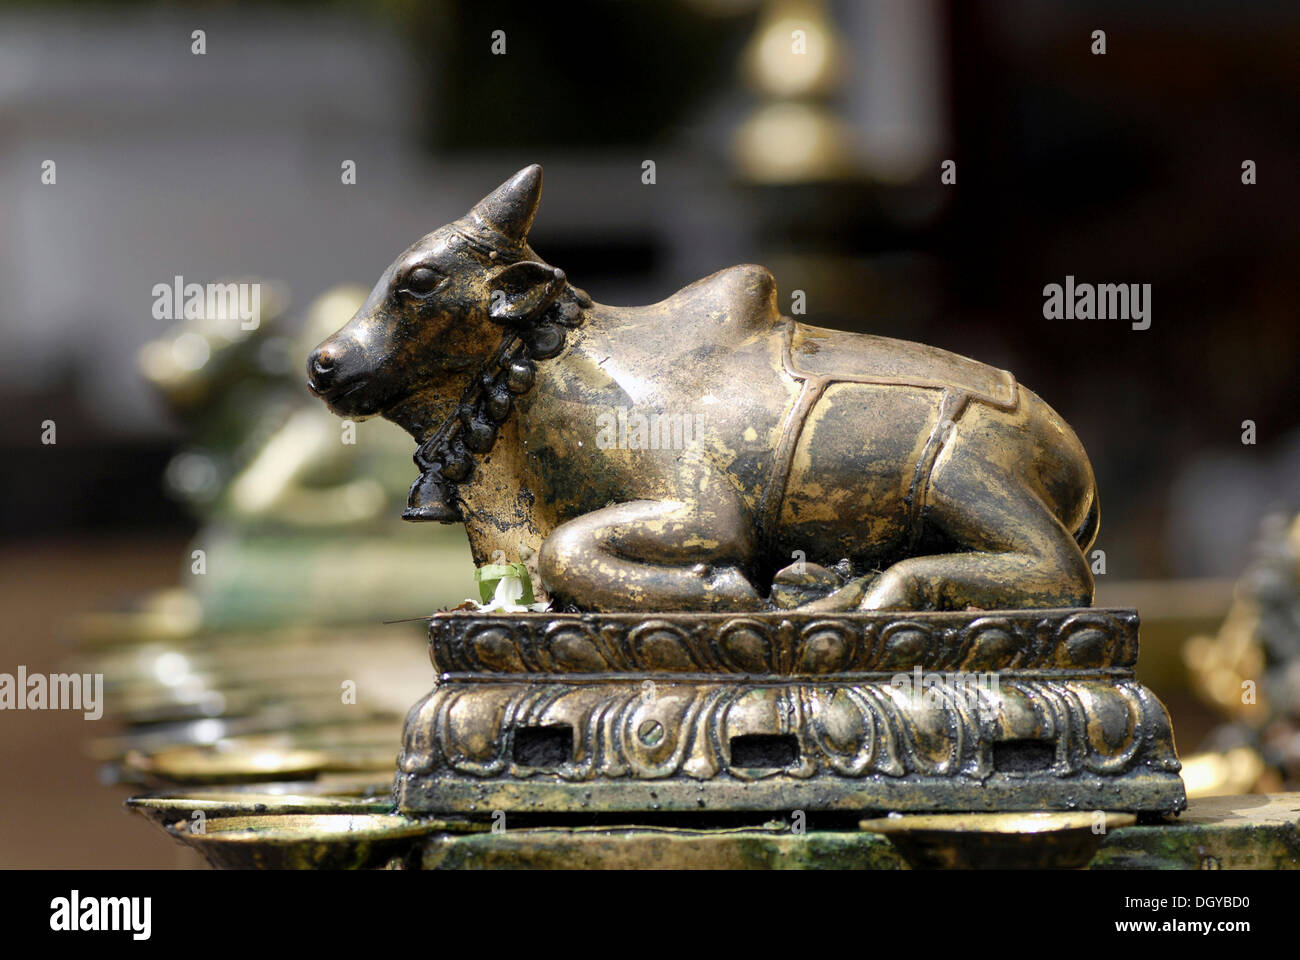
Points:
x=1020, y=553
x=653, y=555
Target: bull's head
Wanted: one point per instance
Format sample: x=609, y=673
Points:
x=437, y=312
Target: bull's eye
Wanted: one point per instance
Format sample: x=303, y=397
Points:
x=421, y=280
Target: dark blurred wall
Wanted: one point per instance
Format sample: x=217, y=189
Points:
x=1127, y=168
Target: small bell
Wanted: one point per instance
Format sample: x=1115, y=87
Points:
x=432, y=499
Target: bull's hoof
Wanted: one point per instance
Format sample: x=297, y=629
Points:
x=801, y=583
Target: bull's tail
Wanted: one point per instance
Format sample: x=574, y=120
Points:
x=1087, y=532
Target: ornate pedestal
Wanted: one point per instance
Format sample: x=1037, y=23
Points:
x=1001, y=710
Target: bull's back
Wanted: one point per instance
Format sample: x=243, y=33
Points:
x=842, y=356
x=850, y=487
x=858, y=475
x=887, y=412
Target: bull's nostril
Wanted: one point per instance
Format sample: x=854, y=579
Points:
x=323, y=363
x=322, y=369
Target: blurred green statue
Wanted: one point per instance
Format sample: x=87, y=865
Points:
x=299, y=510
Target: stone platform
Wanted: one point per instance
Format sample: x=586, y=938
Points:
x=1257, y=832
x=606, y=713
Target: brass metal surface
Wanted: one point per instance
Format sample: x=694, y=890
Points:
x=206, y=765
x=935, y=510
x=789, y=644
x=296, y=753
x=316, y=841
x=898, y=476
x=180, y=805
x=1007, y=710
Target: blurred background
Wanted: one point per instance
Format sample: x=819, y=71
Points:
x=823, y=164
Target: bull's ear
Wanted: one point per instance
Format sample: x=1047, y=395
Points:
x=523, y=290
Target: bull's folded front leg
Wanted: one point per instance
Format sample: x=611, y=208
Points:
x=653, y=555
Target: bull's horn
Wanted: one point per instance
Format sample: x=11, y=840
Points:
x=510, y=208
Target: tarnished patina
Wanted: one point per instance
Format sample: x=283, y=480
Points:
x=705, y=452
x=788, y=568
x=696, y=713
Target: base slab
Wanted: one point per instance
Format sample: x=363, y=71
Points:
x=997, y=710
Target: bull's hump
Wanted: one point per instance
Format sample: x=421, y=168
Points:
x=722, y=308
x=741, y=297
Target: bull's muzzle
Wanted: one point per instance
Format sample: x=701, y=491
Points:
x=322, y=367
x=333, y=375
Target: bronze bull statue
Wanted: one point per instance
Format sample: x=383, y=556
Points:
x=705, y=452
